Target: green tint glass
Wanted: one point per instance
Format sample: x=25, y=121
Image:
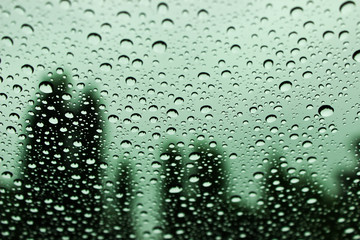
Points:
x=142, y=119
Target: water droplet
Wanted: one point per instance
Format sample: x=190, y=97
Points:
x=156, y=164
x=159, y=46
x=326, y=111
x=347, y=7
x=124, y=16
x=307, y=144
x=179, y=101
x=203, y=76
x=7, y=41
x=356, y=56
x=235, y=199
x=65, y=4
x=285, y=86
x=126, y=144
x=167, y=23
x=137, y=63
x=53, y=120
x=258, y=175
x=123, y=59
x=328, y=35
x=311, y=201
x=175, y=189
x=296, y=12
x=268, y=64
x=235, y=49
x=46, y=87
x=130, y=81
x=162, y=8
x=113, y=118
x=194, y=178
x=11, y=130
x=106, y=67
x=27, y=69
x=7, y=174
x=94, y=38
x=172, y=113
x=205, y=109
x=271, y=118
x=203, y=14
x=126, y=43
x=307, y=74
x=194, y=156
x=27, y=29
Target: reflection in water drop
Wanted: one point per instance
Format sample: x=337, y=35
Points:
x=46, y=87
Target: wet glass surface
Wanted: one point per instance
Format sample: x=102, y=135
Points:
x=179, y=119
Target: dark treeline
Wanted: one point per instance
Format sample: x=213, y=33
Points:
x=60, y=194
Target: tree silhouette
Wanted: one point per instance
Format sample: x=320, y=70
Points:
x=60, y=192
x=174, y=202
x=294, y=207
x=121, y=221
x=346, y=207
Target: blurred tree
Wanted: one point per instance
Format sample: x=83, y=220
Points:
x=174, y=203
x=60, y=194
x=294, y=207
x=346, y=207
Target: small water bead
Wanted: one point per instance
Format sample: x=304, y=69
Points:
x=27, y=69
x=326, y=110
x=123, y=59
x=167, y=23
x=258, y=175
x=126, y=43
x=172, y=113
x=94, y=38
x=235, y=199
x=130, y=81
x=328, y=35
x=7, y=41
x=123, y=16
x=285, y=86
x=194, y=156
x=113, y=118
x=356, y=56
x=46, y=87
x=105, y=67
x=235, y=49
x=27, y=29
x=162, y=8
x=347, y=7
x=137, y=63
x=159, y=46
x=307, y=74
x=271, y=118
x=126, y=144
x=205, y=109
x=203, y=76
x=178, y=101
x=194, y=178
x=296, y=12
x=268, y=64
x=203, y=14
